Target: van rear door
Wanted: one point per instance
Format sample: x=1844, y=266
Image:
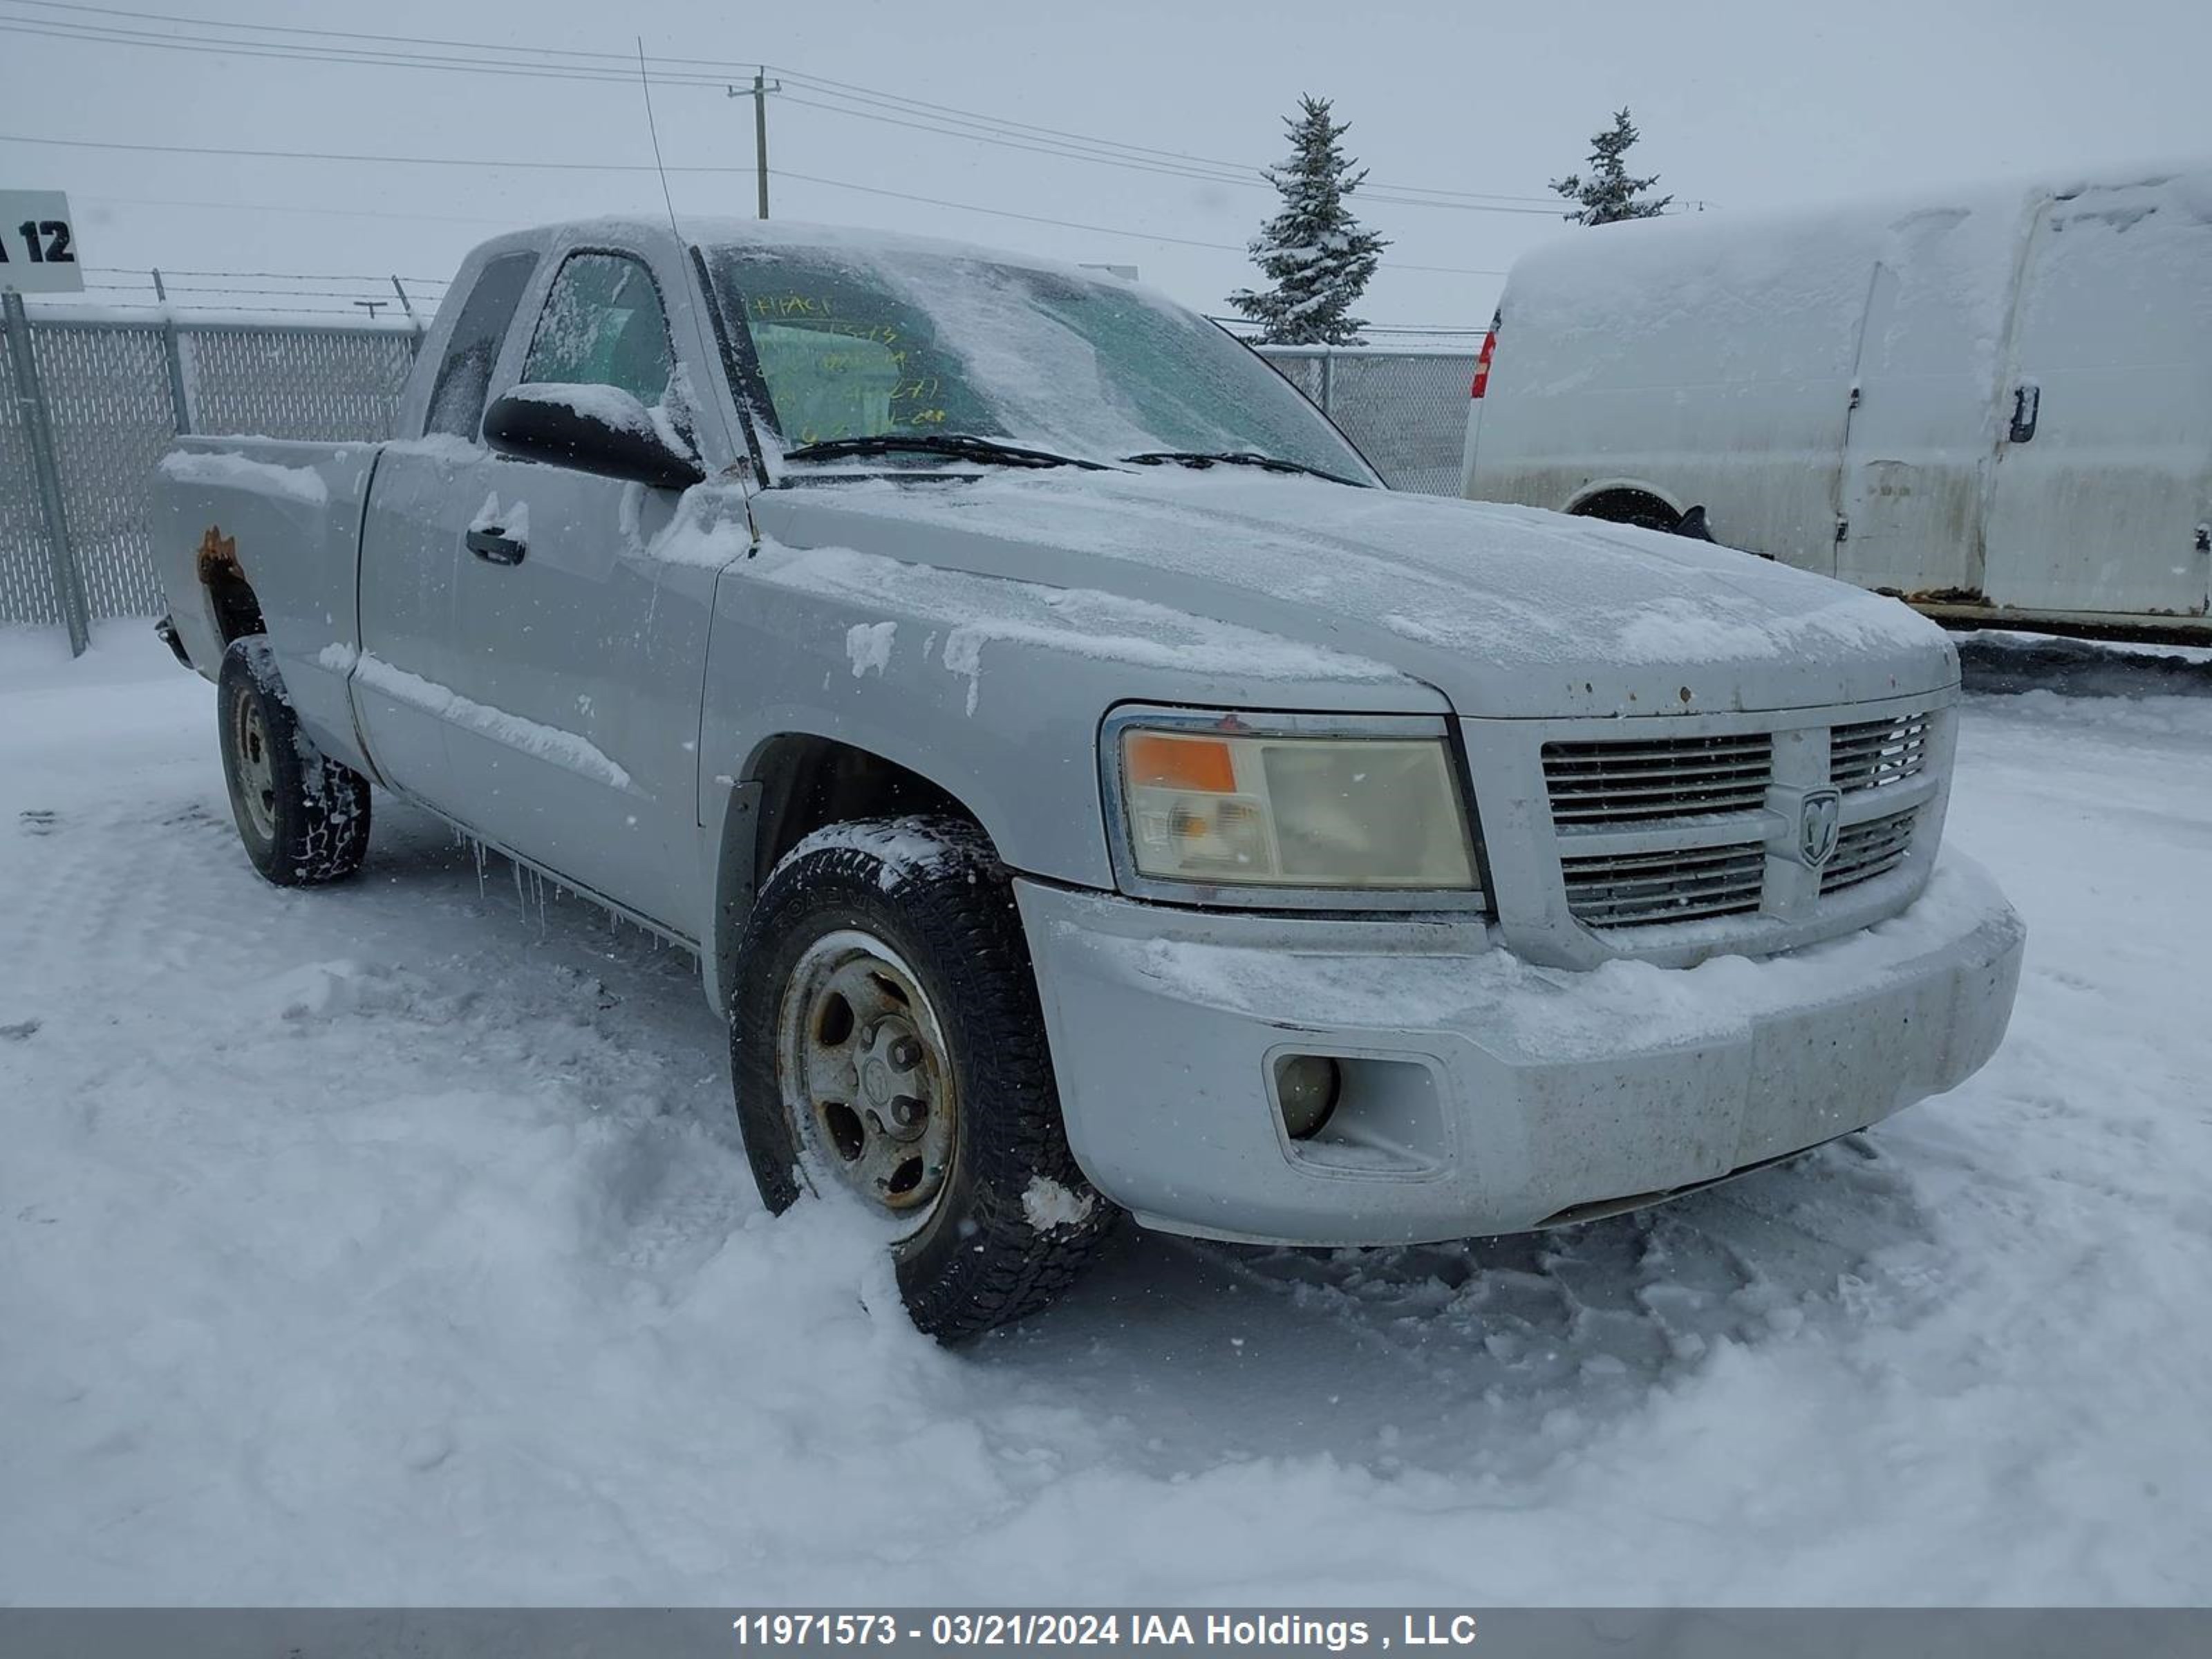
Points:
x=2103, y=486
x=1918, y=438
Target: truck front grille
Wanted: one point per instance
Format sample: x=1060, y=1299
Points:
x=1642, y=888
x=1656, y=829
x=1653, y=780
x=1873, y=754
x=1867, y=850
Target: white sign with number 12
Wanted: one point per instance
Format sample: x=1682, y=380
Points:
x=37, y=243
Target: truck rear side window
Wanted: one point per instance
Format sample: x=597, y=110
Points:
x=456, y=400
x=604, y=326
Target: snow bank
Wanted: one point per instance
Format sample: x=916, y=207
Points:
x=391, y=1245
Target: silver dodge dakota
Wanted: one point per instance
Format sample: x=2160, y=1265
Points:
x=1087, y=791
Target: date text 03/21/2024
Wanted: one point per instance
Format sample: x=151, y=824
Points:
x=1035, y=1628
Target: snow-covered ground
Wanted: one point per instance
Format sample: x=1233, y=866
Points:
x=389, y=1243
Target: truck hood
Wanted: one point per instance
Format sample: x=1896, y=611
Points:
x=1508, y=610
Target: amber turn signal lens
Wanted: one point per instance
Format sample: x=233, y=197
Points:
x=1161, y=760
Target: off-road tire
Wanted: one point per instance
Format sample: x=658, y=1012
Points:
x=981, y=1259
x=308, y=822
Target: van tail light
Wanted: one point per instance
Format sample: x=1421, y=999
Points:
x=1482, y=364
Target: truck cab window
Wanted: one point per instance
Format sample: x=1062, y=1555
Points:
x=604, y=326
x=457, y=396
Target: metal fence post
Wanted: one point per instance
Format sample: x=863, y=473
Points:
x=181, y=408
x=1328, y=381
x=69, y=586
x=414, y=345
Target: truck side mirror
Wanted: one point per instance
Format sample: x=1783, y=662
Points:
x=593, y=428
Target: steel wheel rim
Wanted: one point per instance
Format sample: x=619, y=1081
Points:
x=257, y=771
x=867, y=1079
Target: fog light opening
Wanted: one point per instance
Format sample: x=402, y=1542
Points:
x=1306, y=1091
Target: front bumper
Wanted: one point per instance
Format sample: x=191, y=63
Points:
x=1483, y=1094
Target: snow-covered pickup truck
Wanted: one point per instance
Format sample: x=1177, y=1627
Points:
x=1085, y=788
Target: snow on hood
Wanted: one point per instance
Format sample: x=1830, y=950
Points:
x=1508, y=610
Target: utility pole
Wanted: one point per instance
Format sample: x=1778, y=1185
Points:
x=758, y=93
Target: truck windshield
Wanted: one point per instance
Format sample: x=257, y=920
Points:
x=874, y=343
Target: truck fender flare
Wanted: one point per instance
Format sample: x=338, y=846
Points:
x=792, y=783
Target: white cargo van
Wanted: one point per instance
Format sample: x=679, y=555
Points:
x=1997, y=404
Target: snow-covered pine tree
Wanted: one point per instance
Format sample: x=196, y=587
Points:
x=1609, y=194
x=1314, y=251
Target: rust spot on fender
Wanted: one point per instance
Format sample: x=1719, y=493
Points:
x=218, y=555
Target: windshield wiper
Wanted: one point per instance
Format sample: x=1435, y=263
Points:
x=1202, y=457
x=959, y=445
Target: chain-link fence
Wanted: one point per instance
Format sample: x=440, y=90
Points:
x=1406, y=409
x=99, y=400
x=95, y=401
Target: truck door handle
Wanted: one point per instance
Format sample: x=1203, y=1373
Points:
x=495, y=546
x=2026, y=403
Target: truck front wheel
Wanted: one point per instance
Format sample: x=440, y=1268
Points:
x=886, y=1042
x=303, y=817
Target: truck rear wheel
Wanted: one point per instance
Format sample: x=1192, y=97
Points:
x=886, y=1041
x=303, y=817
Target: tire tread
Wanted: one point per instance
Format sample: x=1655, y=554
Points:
x=960, y=902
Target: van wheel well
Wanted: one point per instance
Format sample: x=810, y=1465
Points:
x=231, y=599
x=1630, y=507
x=799, y=784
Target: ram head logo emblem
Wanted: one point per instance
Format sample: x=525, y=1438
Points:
x=1819, y=819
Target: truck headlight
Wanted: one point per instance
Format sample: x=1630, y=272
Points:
x=1344, y=811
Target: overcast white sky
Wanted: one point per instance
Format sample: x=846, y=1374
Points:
x=1743, y=103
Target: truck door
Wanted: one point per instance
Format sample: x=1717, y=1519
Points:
x=410, y=540
x=2103, y=490
x=582, y=649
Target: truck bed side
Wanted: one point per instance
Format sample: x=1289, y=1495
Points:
x=263, y=535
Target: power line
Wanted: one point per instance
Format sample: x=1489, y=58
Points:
x=1244, y=173
x=344, y=155
x=706, y=71
x=613, y=69
x=1064, y=151
x=619, y=64
x=99, y=34
x=1007, y=212
x=481, y=223
x=1039, y=149
x=1199, y=175
x=624, y=167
